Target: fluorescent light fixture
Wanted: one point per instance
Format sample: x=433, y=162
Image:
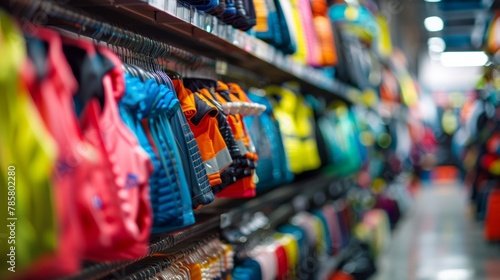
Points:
x=436, y=44
x=433, y=24
x=455, y=274
x=433, y=1
x=463, y=59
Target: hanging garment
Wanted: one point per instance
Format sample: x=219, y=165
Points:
x=230, y=174
x=246, y=15
x=170, y=196
x=261, y=16
x=240, y=168
x=27, y=146
x=324, y=30
x=377, y=230
x=296, y=126
x=129, y=170
x=270, y=31
x=287, y=40
x=201, y=118
x=282, y=262
x=162, y=104
x=347, y=151
x=491, y=223
x=245, y=165
x=51, y=87
x=248, y=270
x=304, y=220
x=310, y=48
x=390, y=206
x=132, y=169
x=344, y=217
x=265, y=256
x=292, y=253
x=289, y=25
x=333, y=227
x=229, y=13
x=303, y=270
x=272, y=168
x=320, y=125
x=98, y=205
x=199, y=185
x=321, y=236
x=326, y=231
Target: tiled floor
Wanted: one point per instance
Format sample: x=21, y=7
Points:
x=439, y=240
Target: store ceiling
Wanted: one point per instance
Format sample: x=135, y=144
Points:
x=463, y=20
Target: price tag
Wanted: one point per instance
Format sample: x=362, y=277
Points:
x=220, y=67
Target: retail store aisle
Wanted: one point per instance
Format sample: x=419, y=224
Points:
x=439, y=240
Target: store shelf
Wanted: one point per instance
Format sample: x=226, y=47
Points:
x=160, y=242
x=206, y=35
x=212, y=218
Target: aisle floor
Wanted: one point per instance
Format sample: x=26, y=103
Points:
x=440, y=240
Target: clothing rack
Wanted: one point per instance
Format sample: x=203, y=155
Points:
x=208, y=219
x=313, y=197
x=119, y=37
x=277, y=216
x=206, y=46
x=103, y=31
x=215, y=217
x=159, y=243
x=159, y=263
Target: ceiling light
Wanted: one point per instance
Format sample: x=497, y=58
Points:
x=433, y=1
x=434, y=24
x=436, y=44
x=456, y=274
x=463, y=59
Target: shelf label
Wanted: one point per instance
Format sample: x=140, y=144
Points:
x=221, y=67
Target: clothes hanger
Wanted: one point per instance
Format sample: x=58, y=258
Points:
x=81, y=54
x=134, y=49
x=154, y=51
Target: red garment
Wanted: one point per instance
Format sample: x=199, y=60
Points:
x=334, y=227
x=113, y=201
x=492, y=220
x=97, y=200
x=340, y=275
x=244, y=187
x=282, y=262
x=53, y=98
x=132, y=168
